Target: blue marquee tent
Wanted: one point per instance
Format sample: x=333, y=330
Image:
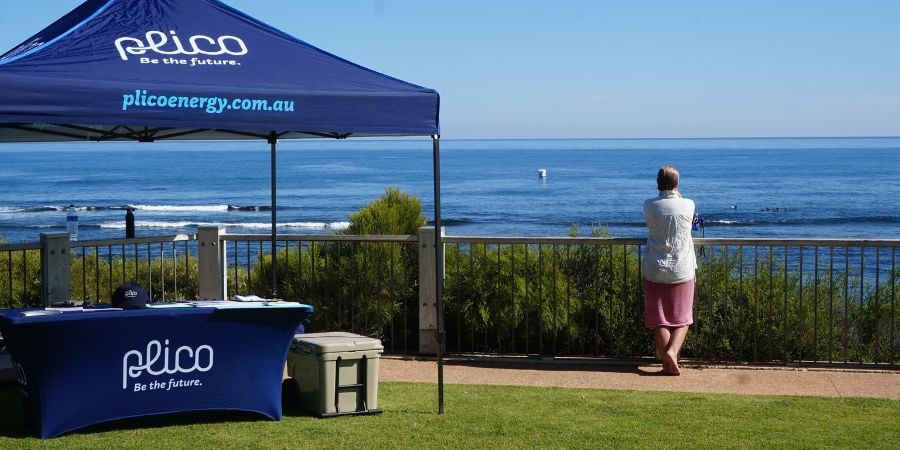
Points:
x=158, y=69
x=147, y=70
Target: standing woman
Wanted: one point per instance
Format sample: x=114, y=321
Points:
x=669, y=268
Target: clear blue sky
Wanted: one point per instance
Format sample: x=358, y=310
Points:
x=597, y=68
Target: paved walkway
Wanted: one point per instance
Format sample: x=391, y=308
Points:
x=827, y=382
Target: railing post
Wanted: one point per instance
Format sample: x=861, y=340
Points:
x=428, y=342
x=213, y=283
x=56, y=270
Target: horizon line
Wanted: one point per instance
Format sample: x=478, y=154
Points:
x=666, y=138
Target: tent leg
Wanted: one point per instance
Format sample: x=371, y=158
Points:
x=439, y=268
x=273, y=140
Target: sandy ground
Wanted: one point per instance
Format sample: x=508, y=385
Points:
x=827, y=382
x=767, y=380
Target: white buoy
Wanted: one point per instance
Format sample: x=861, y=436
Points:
x=542, y=173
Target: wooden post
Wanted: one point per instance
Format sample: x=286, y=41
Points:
x=213, y=282
x=428, y=341
x=56, y=270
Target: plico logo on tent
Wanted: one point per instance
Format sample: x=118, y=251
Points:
x=169, y=49
x=24, y=48
x=159, y=360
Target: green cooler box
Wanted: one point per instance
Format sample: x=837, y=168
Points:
x=335, y=373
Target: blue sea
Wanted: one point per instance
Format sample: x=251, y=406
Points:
x=780, y=188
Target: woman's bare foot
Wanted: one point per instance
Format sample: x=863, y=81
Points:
x=665, y=369
x=670, y=364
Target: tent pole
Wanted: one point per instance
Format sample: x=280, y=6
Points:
x=273, y=140
x=439, y=268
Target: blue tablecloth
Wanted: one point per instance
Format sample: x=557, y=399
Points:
x=78, y=368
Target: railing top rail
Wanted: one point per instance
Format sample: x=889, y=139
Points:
x=542, y=240
x=795, y=242
x=132, y=241
x=749, y=242
x=18, y=247
x=323, y=237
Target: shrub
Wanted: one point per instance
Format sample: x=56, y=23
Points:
x=364, y=287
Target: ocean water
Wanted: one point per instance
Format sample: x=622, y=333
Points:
x=811, y=188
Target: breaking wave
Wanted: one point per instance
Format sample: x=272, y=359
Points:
x=249, y=226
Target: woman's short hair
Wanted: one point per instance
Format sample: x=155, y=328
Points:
x=667, y=178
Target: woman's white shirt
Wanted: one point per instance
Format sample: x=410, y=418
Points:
x=670, y=255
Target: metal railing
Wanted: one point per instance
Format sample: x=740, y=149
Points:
x=359, y=284
x=799, y=300
x=20, y=274
x=544, y=296
x=786, y=300
x=810, y=301
x=165, y=265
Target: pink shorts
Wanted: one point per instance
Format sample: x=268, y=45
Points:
x=668, y=305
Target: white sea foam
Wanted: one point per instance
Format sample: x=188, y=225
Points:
x=181, y=208
x=62, y=208
x=254, y=225
x=249, y=225
x=153, y=224
x=299, y=225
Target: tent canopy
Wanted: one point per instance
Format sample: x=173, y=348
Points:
x=146, y=70
x=193, y=69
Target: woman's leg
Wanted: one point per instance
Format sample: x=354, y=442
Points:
x=661, y=337
x=676, y=339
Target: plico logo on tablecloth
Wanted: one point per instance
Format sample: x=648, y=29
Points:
x=160, y=360
x=169, y=49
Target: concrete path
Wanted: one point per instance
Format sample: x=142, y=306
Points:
x=763, y=380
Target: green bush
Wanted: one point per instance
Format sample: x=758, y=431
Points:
x=587, y=299
x=770, y=313
x=20, y=278
x=554, y=299
x=95, y=277
x=395, y=212
x=369, y=288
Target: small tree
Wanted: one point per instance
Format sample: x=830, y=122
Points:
x=376, y=278
x=360, y=287
x=395, y=212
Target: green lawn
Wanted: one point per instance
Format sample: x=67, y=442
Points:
x=507, y=417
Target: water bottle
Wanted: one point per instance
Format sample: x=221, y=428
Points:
x=72, y=223
x=129, y=223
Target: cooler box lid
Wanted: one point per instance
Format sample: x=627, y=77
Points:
x=333, y=342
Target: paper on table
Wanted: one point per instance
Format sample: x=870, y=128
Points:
x=227, y=304
x=171, y=305
x=65, y=309
x=249, y=298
